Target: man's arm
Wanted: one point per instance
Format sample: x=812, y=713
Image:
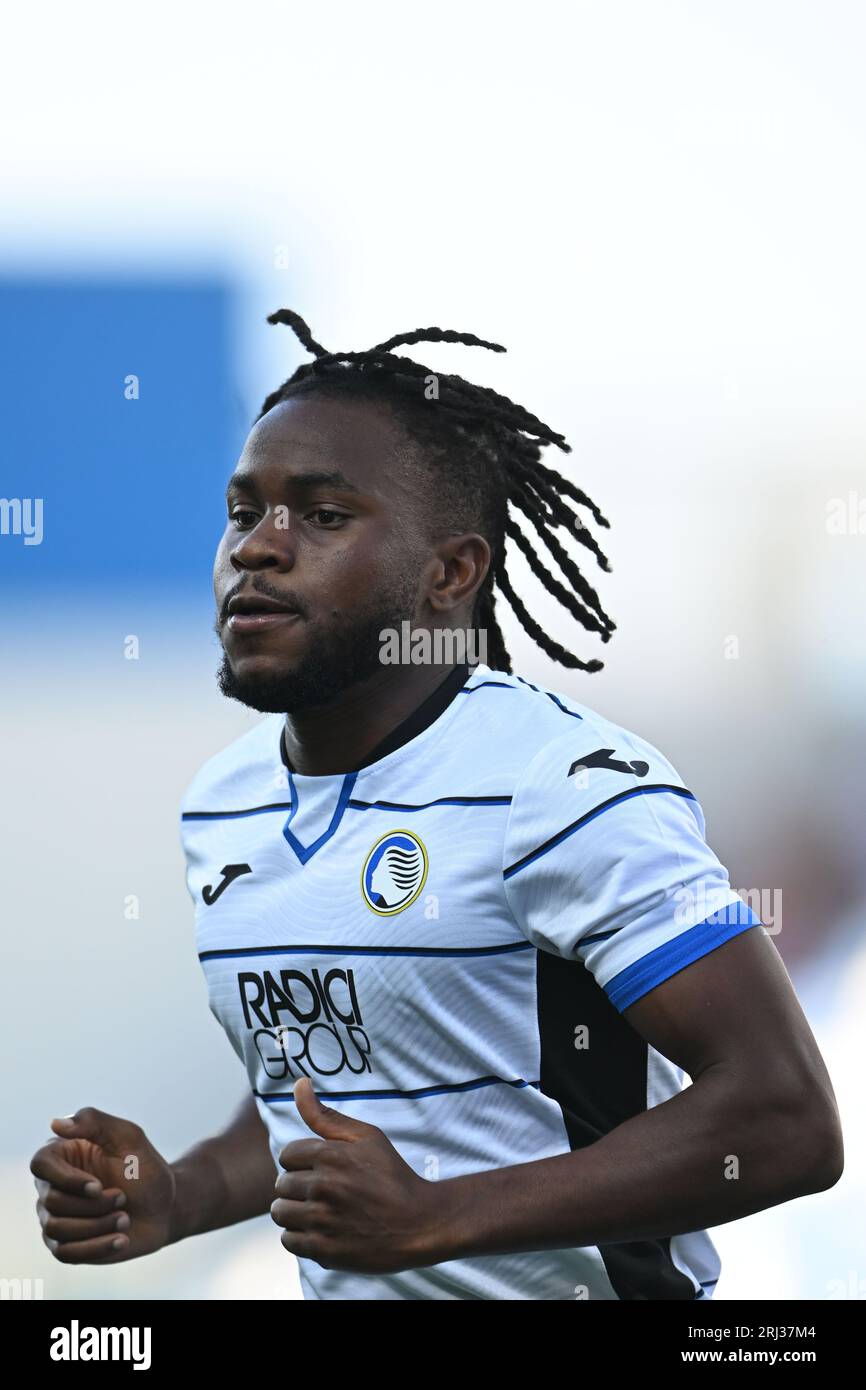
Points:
x=225, y=1179
x=758, y=1126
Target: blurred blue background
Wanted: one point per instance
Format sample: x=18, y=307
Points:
x=127, y=467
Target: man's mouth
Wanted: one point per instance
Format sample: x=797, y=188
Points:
x=255, y=612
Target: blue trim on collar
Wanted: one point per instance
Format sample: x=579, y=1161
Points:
x=305, y=852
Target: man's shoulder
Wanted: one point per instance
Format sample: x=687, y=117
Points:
x=229, y=778
x=547, y=739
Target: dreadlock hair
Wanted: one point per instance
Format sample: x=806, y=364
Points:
x=486, y=451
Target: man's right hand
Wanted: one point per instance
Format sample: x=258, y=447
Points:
x=105, y=1194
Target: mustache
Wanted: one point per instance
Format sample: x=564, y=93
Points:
x=266, y=590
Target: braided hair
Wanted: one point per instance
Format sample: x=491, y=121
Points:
x=486, y=451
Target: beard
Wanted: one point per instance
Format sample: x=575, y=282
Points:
x=338, y=657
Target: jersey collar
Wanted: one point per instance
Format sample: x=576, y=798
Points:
x=415, y=723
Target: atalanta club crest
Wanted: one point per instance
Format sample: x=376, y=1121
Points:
x=394, y=872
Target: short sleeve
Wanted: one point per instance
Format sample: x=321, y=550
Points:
x=605, y=861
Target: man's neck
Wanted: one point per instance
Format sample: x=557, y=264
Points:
x=340, y=737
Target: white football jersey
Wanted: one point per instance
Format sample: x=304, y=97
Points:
x=445, y=941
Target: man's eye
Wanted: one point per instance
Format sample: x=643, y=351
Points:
x=243, y=520
x=326, y=517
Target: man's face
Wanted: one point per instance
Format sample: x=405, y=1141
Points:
x=322, y=550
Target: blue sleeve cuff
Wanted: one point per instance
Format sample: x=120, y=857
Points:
x=674, y=955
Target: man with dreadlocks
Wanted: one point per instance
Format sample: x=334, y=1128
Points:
x=465, y=934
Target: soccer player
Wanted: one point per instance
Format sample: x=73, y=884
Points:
x=466, y=935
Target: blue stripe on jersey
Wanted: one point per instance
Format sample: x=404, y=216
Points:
x=559, y=705
x=704, y=1285
x=421, y=1093
x=355, y=805
x=599, y=936
x=457, y=951
x=674, y=955
x=506, y=685
x=586, y=818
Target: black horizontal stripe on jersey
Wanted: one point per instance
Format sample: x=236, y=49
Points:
x=247, y=811
x=587, y=817
x=555, y=698
x=331, y=950
x=599, y=936
x=506, y=685
x=355, y=804
x=419, y=1093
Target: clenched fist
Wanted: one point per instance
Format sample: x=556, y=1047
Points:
x=90, y=1209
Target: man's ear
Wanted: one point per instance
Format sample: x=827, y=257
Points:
x=458, y=571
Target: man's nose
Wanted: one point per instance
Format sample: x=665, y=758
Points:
x=269, y=545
